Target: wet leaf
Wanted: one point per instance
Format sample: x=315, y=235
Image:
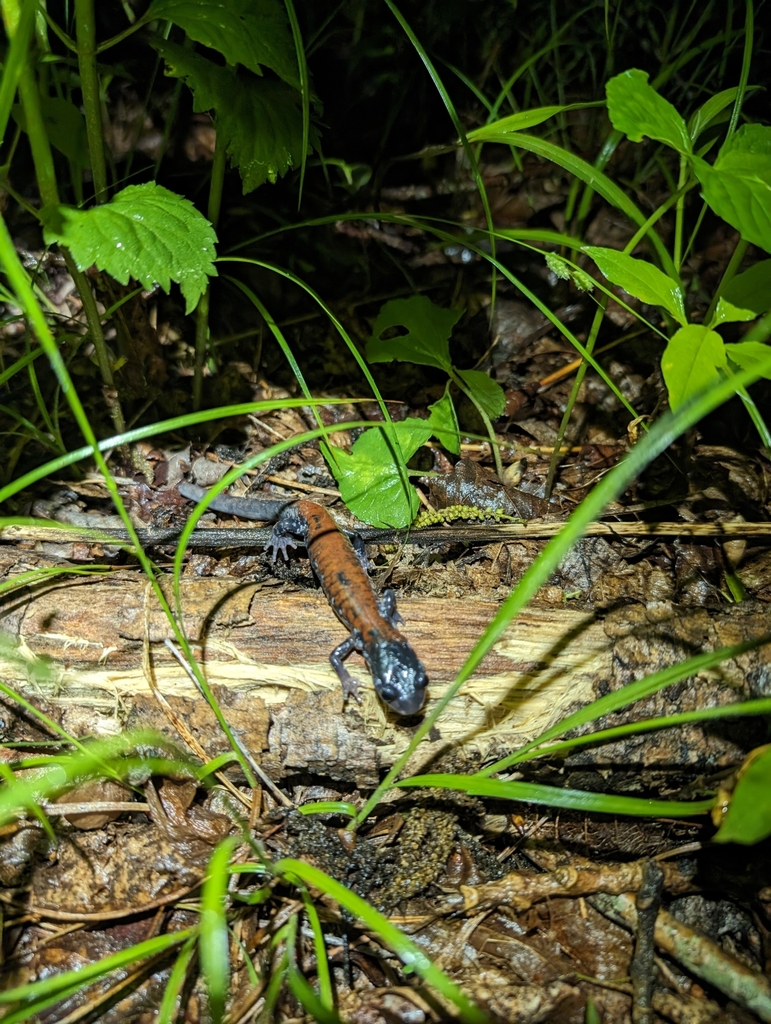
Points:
x=145, y=232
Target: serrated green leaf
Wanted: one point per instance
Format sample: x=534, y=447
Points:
x=486, y=391
x=254, y=33
x=746, y=354
x=145, y=232
x=752, y=289
x=748, y=819
x=65, y=127
x=428, y=330
x=707, y=112
x=444, y=422
x=641, y=279
x=259, y=121
x=738, y=185
x=636, y=109
x=370, y=480
x=690, y=362
x=727, y=313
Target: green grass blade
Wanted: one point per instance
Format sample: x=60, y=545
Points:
x=310, y=1002
x=583, y=170
x=167, y=1011
x=214, y=939
x=15, y=59
x=741, y=709
x=457, y=124
x=551, y=796
x=326, y=995
x=627, y=695
x=175, y=423
x=408, y=952
x=51, y=988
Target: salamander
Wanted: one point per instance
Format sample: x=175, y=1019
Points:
x=399, y=677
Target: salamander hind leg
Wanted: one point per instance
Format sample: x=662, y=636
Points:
x=349, y=684
x=289, y=531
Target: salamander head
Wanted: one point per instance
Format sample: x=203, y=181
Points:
x=399, y=676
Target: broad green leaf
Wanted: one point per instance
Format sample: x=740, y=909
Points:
x=486, y=391
x=259, y=121
x=727, y=313
x=370, y=480
x=249, y=32
x=146, y=232
x=690, y=362
x=641, y=279
x=748, y=819
x=65, y=127
x=738, y=185
x=525, y=119
x=426, y=341
x=636, y=109
x=444, y=422
x=707, y=112
x=747, y=354
x=752, y=289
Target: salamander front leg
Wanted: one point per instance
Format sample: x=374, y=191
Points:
x=386, y=605
x=350, y=685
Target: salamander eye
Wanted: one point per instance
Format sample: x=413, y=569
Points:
x=388, y=693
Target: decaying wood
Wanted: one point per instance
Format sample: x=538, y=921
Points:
x=476, y=533
x=265, y=650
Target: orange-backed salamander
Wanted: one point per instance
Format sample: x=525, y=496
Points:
x=398, y=675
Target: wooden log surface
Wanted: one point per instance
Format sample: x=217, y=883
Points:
x=265, y=650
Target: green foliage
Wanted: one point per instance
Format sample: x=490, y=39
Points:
x=25, y=1002
x=748, y=819
x=145, y=232
x=641, y=279
x=736, y=186
x=691, y=361
x=65, y=126
x=425, y=339
x=370, y=477
x=636, y=109
x=259, y=121
x=254, y=33
x=752, y=289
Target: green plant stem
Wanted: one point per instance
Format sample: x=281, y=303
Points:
x=677, y=255
x=757, y=418
x=730, y=273
x=42, y=156
x=85, y=26
x=49, y=194
x=25, y=297
x=458, y=381
x=202, y=312
x=590, y=342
